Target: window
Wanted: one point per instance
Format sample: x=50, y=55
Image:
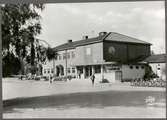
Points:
x=45, y=71
x=64, y=55
x=68, y=55
x=73, y=70
x=59, y=57
x=73, y=54
x=88, y=51
x=137, y=67
x=68, y=70
x=52, y=71
x=48, y=70
x=158, y=68
x=142, y=67
x=131, y=67
x=97, y=69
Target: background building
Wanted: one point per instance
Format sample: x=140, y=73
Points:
x=158, y=64
x=110, y=55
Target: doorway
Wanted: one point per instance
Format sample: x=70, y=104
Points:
x=88, y=71
x=118, y=75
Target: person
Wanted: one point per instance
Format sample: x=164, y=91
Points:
x=50, y=78
x=93, y=79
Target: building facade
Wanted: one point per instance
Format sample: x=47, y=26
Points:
x=112, y=56
x=158, y=64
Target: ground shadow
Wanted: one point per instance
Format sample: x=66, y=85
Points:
x=91, y=99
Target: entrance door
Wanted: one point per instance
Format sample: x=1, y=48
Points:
x=88, y=71
x=118, y=75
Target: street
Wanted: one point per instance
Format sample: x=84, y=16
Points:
x=39, y=99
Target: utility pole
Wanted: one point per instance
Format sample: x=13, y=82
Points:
x=66, y=63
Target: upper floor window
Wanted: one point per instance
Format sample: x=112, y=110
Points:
x=137, y=67
x=73, y=54
x=68, y=55
x=64, y=55
x=59, y=57
x=88, y=51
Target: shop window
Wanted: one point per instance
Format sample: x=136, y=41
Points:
x=97, y=69
x=137, y=67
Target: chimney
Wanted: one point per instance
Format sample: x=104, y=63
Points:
x=85, y=37
x=69, y=41
x=102, y=33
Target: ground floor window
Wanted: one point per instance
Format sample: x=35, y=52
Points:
x=73, y=70
x=80, y=69
x=68, y=70
x=45, y=71
x=48, y=71
x=97, y=69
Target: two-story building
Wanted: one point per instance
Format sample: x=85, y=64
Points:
x=110, y=55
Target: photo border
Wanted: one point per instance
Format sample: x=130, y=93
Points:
x=70, y=1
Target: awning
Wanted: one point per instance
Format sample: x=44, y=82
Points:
x=99, y=63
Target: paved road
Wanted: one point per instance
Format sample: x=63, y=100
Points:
x=79, y=99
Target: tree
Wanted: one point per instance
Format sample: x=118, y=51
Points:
x=20, y=25
x=51, y=54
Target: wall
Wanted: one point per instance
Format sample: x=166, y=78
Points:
x=47, y=66
x=69, y=61
x=124, y=52
x=161, y=71
x=128, y=73
x=96, y=54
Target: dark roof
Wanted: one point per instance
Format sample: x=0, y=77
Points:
x=111, y=36
x=159, y=58
x=123, y=38
x=73, y=44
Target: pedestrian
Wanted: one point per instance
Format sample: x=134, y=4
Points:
x=93, y=79
x=50, y=78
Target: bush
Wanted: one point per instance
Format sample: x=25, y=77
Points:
x=149, y=83
x=104, y=81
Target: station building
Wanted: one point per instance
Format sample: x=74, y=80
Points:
x=111, y=55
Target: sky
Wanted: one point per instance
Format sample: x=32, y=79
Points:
x=142, y=20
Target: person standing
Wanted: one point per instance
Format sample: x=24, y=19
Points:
x=93, y=79
x=50, y=78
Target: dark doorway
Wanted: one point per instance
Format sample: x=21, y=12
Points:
x=88, y=71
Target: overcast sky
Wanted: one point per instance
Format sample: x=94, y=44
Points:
x=142, y=20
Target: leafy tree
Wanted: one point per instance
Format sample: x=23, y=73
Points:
x=149, y=74
x=20, y=25
x=51, y=54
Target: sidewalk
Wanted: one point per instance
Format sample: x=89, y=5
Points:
x=13, y=88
